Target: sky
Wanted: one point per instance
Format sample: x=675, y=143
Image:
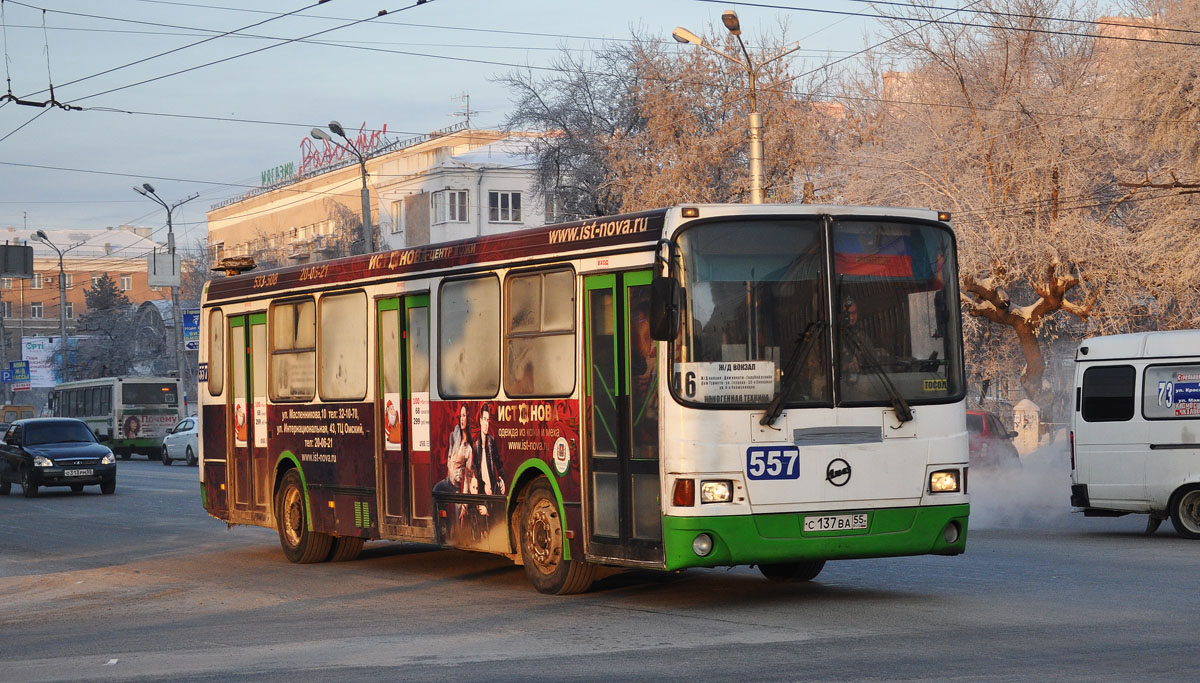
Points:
x=157, y=109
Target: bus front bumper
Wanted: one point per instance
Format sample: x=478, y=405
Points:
x=781, y=537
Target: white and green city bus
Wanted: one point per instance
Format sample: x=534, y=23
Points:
x=699, y=386
x=133, y=414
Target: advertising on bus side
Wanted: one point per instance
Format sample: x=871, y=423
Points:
x=146, y=426
x=478, y=447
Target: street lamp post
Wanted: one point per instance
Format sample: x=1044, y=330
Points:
x=146, y=190
x=368, y=235
x=730, y=19
x=41, y=236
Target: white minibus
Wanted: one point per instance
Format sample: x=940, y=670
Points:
x=1135, y=428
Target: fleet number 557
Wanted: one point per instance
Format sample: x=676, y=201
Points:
x=778, y=462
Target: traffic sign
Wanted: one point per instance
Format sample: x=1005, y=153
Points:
x=19, y=370
x=191, y=329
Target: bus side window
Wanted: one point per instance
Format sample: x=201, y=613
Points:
x=216, y=352
x=468, y=336
x=1108, y=393
x=342, y=352
x=540, y=334
x=293, y=351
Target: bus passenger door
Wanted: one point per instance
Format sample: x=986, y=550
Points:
x=250, y=468
x=405, y=483
x=624, y=515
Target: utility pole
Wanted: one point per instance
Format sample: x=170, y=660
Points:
x=368, y=232
x=146, y=190
x=730, y=19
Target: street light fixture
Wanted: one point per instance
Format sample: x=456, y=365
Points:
x=368, y=235
x=147, y=190
x=40, y=236
x=730, y=19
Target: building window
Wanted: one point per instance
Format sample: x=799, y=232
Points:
x=69, y=309
x=449, y=206
x=397, y=216
x=126, y=283
x=35, y=309
x=6, y=283
x=96, y=280
x=37, y=281
x=68, y=280
x=7, y=309
x=504, y=207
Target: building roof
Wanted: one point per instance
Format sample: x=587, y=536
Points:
x=511, y=152
x=124, y=242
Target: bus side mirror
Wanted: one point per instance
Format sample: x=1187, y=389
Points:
x=664, y=308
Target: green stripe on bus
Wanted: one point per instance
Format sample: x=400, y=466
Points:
x=766, y=539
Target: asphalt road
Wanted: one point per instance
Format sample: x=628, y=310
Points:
x=144, y=585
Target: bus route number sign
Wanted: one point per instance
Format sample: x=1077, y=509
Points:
x=773, y=462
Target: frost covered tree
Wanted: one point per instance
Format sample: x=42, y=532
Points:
x=644, y=124
x=1000, y=122
x=109, y=326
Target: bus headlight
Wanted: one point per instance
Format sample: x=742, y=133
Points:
x=943, y=481
x=702, y=545
x=716, y=491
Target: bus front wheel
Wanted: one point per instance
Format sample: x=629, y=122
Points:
x=806, y=570
x=542, y=545
x=300, y=544
x=1185, y=512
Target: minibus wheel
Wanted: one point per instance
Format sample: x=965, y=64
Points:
x=1185, y=512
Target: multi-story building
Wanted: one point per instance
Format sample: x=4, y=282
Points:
x=30, y=307
x=450, y=184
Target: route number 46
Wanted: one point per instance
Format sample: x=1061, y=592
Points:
x=775, y=462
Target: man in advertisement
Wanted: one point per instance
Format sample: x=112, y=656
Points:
x=486, y=457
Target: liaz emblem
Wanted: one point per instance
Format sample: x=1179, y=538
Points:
x=837, y=472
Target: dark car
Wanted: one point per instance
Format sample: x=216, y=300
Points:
x=990, y=443
x=54, y=451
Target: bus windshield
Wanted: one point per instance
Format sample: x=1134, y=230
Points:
x=755, y=290
x=148, y=393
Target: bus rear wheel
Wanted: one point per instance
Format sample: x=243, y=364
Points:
x=1185, y=513
x=542, y=546
x=300, y=544
x=345, y=548
x=805, y=570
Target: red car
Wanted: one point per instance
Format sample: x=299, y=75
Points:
x=990, y=443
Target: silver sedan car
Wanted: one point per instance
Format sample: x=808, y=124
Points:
x=181, y=443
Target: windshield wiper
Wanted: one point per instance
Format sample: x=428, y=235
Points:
x=804, y=346
x=865, y=356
